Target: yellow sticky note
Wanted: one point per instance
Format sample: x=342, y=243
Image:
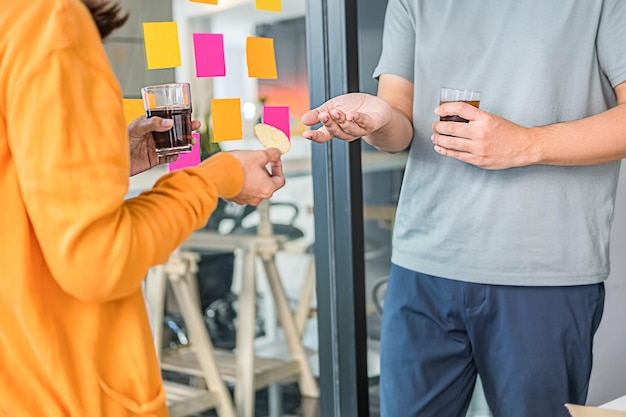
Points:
x=226, y=119
x=261, y=58
x=162, y=46
x=269, y=5
x=133, y=108
x=204, y=1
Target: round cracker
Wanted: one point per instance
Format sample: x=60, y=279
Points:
x=271, y=137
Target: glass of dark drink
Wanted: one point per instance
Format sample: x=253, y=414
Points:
x=452, y=94
x=170, y=101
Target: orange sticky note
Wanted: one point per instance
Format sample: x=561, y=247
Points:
x=162, y=46
x=226, y=119
x=204, y=1
x=133, y=108
x=261, y=58
x=269, y=5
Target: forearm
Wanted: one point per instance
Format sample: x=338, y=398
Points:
x=395, y=136
x=592, y=140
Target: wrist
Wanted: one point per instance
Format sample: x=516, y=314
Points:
x=535, y=153
x=394, y=136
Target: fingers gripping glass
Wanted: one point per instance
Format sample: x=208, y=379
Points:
x=170, y=101
x=452, y=95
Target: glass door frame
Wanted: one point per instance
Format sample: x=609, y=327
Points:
x=333, y=69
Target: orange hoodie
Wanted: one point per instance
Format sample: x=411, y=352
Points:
x=74, y=333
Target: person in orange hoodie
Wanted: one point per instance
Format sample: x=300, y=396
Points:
x=75, y=338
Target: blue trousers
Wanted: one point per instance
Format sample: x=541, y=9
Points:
x=532, y=346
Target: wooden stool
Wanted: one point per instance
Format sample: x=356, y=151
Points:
x=247, y=372
x=183, y=400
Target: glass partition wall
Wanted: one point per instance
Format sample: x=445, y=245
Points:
x=290, y=211
x=334, y=217
x=356, y=189
x=317, y=57
x=361, y=186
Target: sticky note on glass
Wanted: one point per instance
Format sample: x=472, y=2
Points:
x=162, y=46
x=226, y=119
x=190, y=159
x=277, y=116
x=269, y=5
x=208, y=49
x=261, y=58
x=133, y=108
x=204, y=1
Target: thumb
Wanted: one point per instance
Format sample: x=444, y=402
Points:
x=144, y=125
x=273, y=154
x=161, y=125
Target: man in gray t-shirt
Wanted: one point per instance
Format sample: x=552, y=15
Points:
x=501, y=240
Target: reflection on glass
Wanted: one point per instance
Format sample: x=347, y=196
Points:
x=283, y=225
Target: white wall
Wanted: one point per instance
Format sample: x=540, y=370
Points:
x=608, y=379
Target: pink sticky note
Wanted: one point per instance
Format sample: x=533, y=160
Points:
x=190, y=159
x=208, y=49
x=277, y=116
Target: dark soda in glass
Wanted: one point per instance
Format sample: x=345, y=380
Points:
x=178, y=139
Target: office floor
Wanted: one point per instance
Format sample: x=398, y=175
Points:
x=292, y=405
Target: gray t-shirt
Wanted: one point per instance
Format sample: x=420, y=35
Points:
x=536, y=62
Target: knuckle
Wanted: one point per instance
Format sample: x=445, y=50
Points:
x=453, y=128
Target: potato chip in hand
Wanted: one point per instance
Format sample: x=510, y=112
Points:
x=272, y=137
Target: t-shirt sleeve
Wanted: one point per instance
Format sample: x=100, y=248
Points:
x=611, y=41
x=398, y=49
